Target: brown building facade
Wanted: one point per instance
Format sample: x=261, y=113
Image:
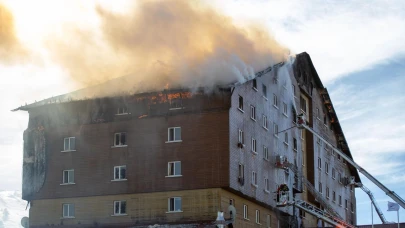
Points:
x=177, y=157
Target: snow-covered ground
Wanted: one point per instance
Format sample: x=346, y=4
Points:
x=12, y=209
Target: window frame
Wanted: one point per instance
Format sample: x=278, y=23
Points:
x=275, y=130
x=326, y=167
x=319, y=163
x=119, y=213
x=265, y=123
x=253, y=112
x=257, y=216
x=69, y=206
x=320, y=189
x=266, y=185
x=285, y=109
x=120, y=168
x=333, y=196
x=240, y=103
x=286, y=138
x=264, y=90
x=169, y=208
x=124, y=110
x=68, y=176
x=265, y=153
x=275, y=101
x=254, y=179
x=333, y=174
x=241, y=137
x=69, y=143
x=253, y=145
x=120, y=134
x=327, y=192
x=169, y=169
x=174, y=135
x=245, y=212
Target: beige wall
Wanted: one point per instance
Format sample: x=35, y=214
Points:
x=149, y=208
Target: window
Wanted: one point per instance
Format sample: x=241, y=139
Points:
x=295, y=144
x=174, y=134
x=293, y=90
x=265, y=121
x=254, y=84
x=69, y=144
x=254, y=178
x=351, y=207
x=344, y=161
x=120, y=207
x=253, y=112
x=286, y=138
x=303, y=105
x=174, y=204
x=340, y=200
x=176, y=103
x=333, y=196
x=275, y=100
x=320, y=187
x=268, y=221
x=245, y=211
x=240, y=137
x=120, y=172
x=266, y=185
x=326, y=168
x=294, y=117
x=241, y=171
x=333, y=152
x=68, y=210
x=333, y=173
x=264, y=88
x=257, y=216
x=319, y=163
x=265, y=153
x=327, y=192
x=346, y=205
x=275, y=129
x=324, y=120
x=318, y=140
x=338, y=157
x=120, y=139
x=240, y=106
x=254, y=145
x=317, y=114
x=303, y=160
x=302, y=134
x=174, y=168
x=340, y=178
x=302, y=213
x=285, y=109
x=68, y=176
x=122, y=110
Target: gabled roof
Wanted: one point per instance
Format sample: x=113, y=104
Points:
x=342, y=143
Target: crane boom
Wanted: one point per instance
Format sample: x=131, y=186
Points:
x=302, y=125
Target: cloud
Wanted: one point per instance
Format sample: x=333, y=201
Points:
x=342, y=37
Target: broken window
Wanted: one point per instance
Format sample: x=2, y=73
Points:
x=120, y=172
x=176, y=103
x=120, y=139
x=69, y=144
x=122, y=110
x=174, y=134
x=254, y=84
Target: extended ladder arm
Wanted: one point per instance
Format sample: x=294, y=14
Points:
x=377, y=208
x=323, y=215
x=301, y=124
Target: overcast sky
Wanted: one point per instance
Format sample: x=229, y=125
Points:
x=357, y=48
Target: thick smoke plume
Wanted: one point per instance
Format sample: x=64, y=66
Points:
x=160, y=44
x=11, y=51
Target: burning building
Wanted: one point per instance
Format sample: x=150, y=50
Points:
x=178, y=156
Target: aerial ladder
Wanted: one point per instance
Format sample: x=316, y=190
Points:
x=377, y=208
x=301, y=124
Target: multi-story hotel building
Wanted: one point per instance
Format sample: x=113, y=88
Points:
x=178, y=157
